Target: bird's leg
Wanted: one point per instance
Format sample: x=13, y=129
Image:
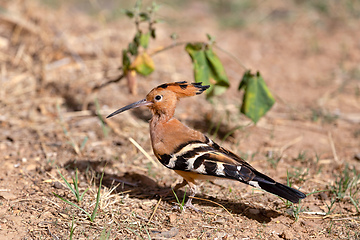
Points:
x=192, y=186
x=188, y=203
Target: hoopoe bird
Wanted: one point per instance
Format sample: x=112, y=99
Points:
x=190, y=153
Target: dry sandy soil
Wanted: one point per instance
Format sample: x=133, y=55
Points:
x=53, y=55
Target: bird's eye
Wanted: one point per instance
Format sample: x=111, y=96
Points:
x=158, y=98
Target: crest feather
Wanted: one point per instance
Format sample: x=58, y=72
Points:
x=184, y=89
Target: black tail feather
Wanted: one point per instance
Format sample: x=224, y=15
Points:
x=283, y=191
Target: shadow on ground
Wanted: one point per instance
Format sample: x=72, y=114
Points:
x=143, y=187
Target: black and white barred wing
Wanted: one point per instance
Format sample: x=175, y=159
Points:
x=207, y=158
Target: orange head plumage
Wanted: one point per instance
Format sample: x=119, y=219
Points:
x=162, y=99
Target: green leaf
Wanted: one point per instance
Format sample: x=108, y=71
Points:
x=210, y=38
x=143, y=64
x=217, y=72
x=201, y=69
x=73, y=204
x=67, y=183
x=144, y=40
x=257, y=98
x=144, y=16
x=208, y=68
x=136, y=39
x=133, y=48
x=125, y=60
x=83, y=194
x=93, y=215
x=129, y=13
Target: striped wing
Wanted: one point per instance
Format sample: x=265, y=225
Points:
x=208, y=158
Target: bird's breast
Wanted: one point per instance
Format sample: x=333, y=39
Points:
x=167, y=136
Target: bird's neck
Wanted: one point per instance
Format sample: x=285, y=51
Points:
x=162, y=115
x=159, y=119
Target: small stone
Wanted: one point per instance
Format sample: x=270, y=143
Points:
x=172, y=218
x=220, y=221
x=323, y=196
x=83, y=184
x=8, y=196
x=48, y=168
x=221, y=236
x=357, y=156
x=57, y=185
x=47, y=215
x=169, y=234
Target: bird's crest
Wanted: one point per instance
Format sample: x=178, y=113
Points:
x=184, y=89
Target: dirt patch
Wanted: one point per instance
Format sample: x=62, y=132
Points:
x=51, y=58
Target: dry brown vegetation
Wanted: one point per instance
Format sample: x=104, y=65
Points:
x=53, y=55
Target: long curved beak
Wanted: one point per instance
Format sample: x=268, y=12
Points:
x=130, y=106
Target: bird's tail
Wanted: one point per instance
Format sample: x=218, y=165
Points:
x=281, y=190
x=249, y=175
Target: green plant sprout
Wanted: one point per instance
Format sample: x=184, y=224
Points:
x=76, y=192
x=182, y=204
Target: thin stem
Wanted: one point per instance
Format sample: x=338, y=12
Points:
x=232, y=56
x=175, y=44
x=98, y=87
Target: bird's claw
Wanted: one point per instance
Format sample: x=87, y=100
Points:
x=188, y=205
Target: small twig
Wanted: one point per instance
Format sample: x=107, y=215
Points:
x=315, y=213
x=51, y=202
x=124, y=182
x=332, y=145
x=23, y=200
x=146, y=220
x=214, y=203
x=143, y=152
x=13, y=18
x=347, y=218
x=289, y=144
x=312, y=217
x=231, y=55
x=98, y=87
x=175, y=44
x=52, y=235
x=152, y=215
x=340, y=215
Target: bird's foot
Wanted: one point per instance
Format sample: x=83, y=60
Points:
x=188, y=205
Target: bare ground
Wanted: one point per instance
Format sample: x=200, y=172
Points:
x=52, y=57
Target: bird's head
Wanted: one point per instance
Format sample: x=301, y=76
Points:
x=162, y=99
